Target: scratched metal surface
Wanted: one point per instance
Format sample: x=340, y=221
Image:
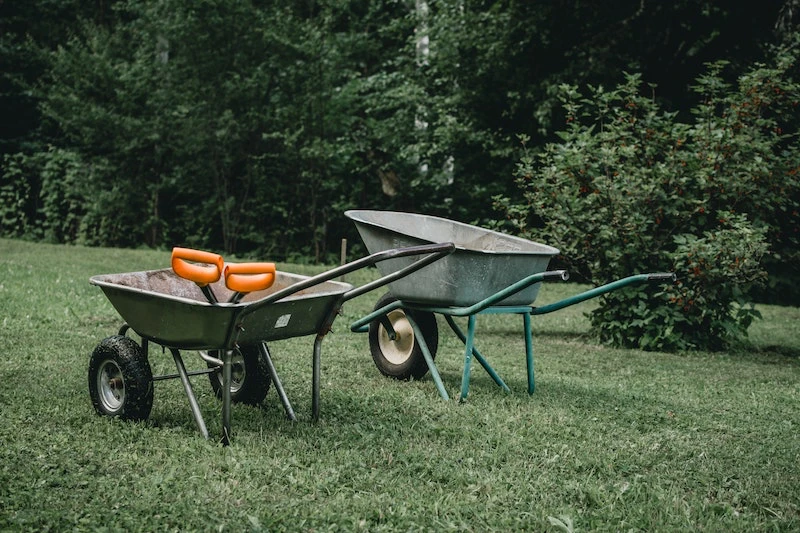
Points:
x=484, y=263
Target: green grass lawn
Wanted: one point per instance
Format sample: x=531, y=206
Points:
x=612, y=440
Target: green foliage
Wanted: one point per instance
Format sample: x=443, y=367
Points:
x=251, y=126
x=716, y=268
x=64, y=196
x=188, y=135
x=15, y=198
x=630, y=188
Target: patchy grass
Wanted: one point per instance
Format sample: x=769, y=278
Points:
x=611, y=440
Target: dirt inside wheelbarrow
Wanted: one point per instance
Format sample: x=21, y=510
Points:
x=159, y=281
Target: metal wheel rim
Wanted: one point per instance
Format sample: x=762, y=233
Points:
x=399, y=350
x=111, y=386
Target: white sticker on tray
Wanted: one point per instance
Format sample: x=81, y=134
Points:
x=283, y=321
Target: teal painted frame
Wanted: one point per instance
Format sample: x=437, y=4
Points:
x=487, y=306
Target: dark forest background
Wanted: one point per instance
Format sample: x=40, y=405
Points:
x=250, y=126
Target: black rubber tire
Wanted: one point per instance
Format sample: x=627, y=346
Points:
x=120, y=379
x=402, y=358
x=250, y=378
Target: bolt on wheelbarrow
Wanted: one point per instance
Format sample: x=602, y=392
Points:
x=228, y=313
x=489, y=273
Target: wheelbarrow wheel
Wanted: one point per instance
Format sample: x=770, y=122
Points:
x=250, y=376
x=401, y=357
x=120, y=379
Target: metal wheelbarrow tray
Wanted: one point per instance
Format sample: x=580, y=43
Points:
x=489, y=273
x=178, y=314
x=159, y=305
x=483, y=263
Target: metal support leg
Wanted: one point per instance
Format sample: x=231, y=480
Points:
x=262, y=347
x=426, y=353
x=315, y=378
x=478, y=356
x=470, y=344
x=526, y=321
x=198, y=417
x=227, y=357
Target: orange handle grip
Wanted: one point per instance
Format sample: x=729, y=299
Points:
x=202, y=275
x=249, y=277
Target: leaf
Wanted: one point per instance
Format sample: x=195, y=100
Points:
x=563, y=523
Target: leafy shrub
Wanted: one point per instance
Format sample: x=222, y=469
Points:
x=64, y=198
x=631, y=188
x=68, y=206
x=15, y=198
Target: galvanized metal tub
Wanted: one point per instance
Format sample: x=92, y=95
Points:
x=484, y=263
x=161, y=306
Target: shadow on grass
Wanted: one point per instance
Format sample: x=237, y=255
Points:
x=394, y=406
x=549, y=334
x=769, y=354
x=365, y=417
x=174, y=414
x=584, y=402
x=781, y=351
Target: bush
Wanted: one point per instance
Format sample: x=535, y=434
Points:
x=631, y=188
x=16, y=203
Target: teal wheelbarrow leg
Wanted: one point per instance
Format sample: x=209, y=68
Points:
x=526, y=321
x=426, y=353
x=469, y=344
x=470, y=351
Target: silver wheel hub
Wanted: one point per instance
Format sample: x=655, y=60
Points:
x=111, y=386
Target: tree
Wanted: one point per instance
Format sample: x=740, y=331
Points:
x=252, y=125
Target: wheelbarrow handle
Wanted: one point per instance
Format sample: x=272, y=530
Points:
x=249, y=277
x=555, y=275
x=662, y=276
x=433, y=251
x=202, y=275
x=603, y=289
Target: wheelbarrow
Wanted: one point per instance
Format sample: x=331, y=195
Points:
x=227, y=313
x=489, y=273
